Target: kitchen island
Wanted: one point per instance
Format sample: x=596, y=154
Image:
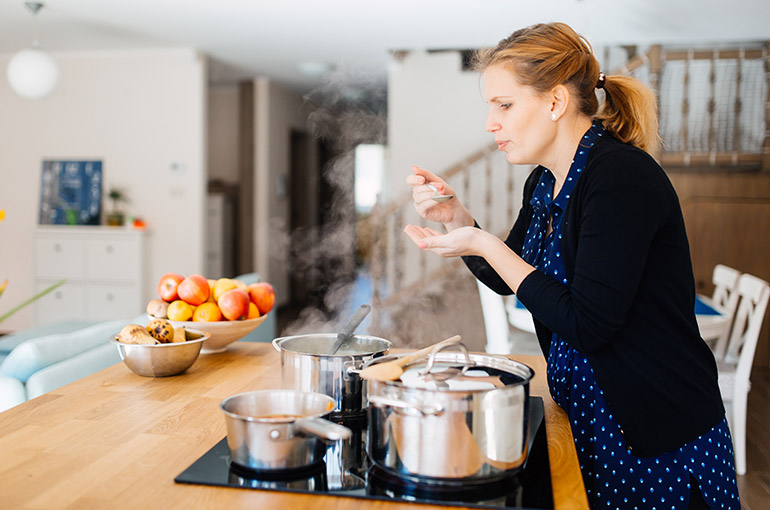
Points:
x=117, y=440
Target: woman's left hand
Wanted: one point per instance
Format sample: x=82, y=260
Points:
x=457, y=243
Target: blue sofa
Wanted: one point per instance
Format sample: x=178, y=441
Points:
x=37, y=360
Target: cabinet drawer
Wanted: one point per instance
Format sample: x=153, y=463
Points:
x=59, y=258
x=106, y=302
x=112, y=259
x=64, y=303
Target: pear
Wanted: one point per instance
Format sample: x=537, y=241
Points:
x=179, y=335
x=135, y=334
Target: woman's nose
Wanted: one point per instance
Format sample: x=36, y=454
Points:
x=492, y=124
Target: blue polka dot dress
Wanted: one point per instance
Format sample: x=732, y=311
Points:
x=613, y=476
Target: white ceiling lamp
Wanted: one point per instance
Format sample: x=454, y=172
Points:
x=32, y=72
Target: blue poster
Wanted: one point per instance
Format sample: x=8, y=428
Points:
x=71, y=193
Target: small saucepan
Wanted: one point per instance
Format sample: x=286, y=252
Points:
x=270, y=430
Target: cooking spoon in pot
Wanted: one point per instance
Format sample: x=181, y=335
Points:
x=347, y=331
x=392, y=370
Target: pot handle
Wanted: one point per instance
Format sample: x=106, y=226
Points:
x=323, y=429
x=422, y=410
x=275, y=344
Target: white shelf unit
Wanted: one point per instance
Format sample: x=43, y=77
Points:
x=104, y=267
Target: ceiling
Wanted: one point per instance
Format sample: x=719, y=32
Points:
x=249, y=38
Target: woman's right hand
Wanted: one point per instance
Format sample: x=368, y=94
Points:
x=451, y=213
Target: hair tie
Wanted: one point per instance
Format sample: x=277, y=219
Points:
x=600, y=83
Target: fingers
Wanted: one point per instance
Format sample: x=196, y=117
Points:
x=416, y=234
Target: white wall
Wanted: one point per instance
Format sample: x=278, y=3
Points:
x=144, y=115
x=276, y=112
x=436, y=115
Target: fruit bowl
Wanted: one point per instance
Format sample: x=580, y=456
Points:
x=162, y=360
x=223, y=333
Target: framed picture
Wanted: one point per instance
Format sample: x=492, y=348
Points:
x=71, y=193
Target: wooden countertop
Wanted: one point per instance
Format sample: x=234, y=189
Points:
x=117, y=440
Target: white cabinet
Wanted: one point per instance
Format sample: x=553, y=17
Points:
x=104, y=268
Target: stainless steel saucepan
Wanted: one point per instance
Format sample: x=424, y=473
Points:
x=279, y=429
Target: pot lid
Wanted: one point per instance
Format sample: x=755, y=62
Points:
x=450, y=377
x=456, y=371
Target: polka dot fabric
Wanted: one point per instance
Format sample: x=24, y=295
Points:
x=613, y=475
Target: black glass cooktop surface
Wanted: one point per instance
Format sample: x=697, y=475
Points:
x=346, y=471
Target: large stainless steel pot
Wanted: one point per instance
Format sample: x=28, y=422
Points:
x=279, y=429
x=306, y=366
x=474, y=425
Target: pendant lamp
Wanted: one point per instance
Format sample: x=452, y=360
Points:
x=32, y=72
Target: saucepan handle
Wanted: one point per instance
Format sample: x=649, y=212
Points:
x=276, y=342
x=323, y=429
x=408, y=408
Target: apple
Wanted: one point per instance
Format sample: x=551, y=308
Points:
x=168, y=286
x=262, y=294
x=194, y=289
x=234, y=304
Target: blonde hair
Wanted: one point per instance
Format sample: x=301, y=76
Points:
x=545, y=55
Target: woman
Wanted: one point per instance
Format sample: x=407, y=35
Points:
x=599, y=256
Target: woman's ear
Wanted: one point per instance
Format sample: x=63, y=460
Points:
x=560, y=98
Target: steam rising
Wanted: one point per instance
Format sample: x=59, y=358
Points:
x=348, y=111
x=345, y=112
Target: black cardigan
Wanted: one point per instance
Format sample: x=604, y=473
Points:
x=629, y=307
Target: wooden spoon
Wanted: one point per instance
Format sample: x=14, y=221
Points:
x=392, y=370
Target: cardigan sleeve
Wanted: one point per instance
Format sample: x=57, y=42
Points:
x=618, y=210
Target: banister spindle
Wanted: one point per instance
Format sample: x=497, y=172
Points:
x=766, y=144
x=686, y=106
x=711, y=143
x=488, y=194
x=509, y=195
x=736, y=122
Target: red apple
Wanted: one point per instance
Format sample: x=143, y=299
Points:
x=234, y=304
x=262, y=294
x=194, y=289
x=168, y=285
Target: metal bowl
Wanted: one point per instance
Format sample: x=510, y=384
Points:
x=162, y=360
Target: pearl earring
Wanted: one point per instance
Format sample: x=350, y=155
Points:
x=553, y=116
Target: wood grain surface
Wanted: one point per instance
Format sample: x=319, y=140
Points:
x=117, y=440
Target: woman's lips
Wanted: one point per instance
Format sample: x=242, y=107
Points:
x=501, y=145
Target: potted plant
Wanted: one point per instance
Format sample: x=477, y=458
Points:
x=115, y=216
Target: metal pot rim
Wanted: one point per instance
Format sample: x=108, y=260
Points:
x=492, y=360
x=256, y=419
x=387, y=345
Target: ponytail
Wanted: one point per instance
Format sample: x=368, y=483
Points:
x=629, y=112
x=549, y=54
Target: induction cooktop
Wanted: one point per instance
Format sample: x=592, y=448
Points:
x=347, y=472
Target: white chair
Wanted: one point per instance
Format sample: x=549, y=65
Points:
x=495, y=322
x=499, y=312
x=715, y=329
x=735, y=368
x=518, y=316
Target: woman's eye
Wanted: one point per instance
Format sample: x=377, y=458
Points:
x=505, y=106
